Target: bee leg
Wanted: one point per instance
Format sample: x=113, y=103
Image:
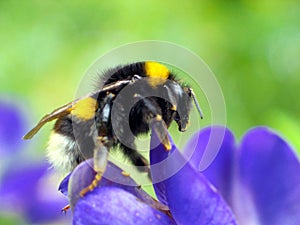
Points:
x=102, y=143
x=100, y=163
x=65, y=209
x=161, y=131
x=136, y=158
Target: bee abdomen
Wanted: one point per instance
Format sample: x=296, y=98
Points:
x=61, y=152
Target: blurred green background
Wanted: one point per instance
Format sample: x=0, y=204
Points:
x=253, y=48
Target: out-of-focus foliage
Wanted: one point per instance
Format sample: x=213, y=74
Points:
x=253, y=47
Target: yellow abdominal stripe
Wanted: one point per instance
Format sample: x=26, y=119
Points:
x=156, y=72
x=85, y=108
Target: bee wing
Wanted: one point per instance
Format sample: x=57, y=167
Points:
x=57, y=113
x=67, y=109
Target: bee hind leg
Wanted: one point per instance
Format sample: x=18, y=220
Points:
x=100, y=163
x=136, y=158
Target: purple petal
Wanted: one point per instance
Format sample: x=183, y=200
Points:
x=19, y=184
x=220, y=171
x=112, y=205
x=84, y=174
x=12, y=127
x=190, y=197
x=158, y=173
x=63, y=187
x=269, y=176
x=120, y=201
x=26, y=190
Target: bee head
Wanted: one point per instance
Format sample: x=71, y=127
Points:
x=184, y=107
x=182, y=112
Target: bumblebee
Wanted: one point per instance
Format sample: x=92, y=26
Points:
x=129, y=99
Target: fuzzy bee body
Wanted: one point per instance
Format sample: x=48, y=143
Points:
x=131, y=96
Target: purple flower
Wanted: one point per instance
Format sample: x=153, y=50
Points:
x=189, y=195
x=27, y=189
x=255, y=183
x=12, y=127
x=259, y=178
x=118, y=201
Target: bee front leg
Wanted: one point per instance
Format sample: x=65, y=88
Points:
x=100, y=163
x=161, y=130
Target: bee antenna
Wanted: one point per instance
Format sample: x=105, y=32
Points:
x=196, y=103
